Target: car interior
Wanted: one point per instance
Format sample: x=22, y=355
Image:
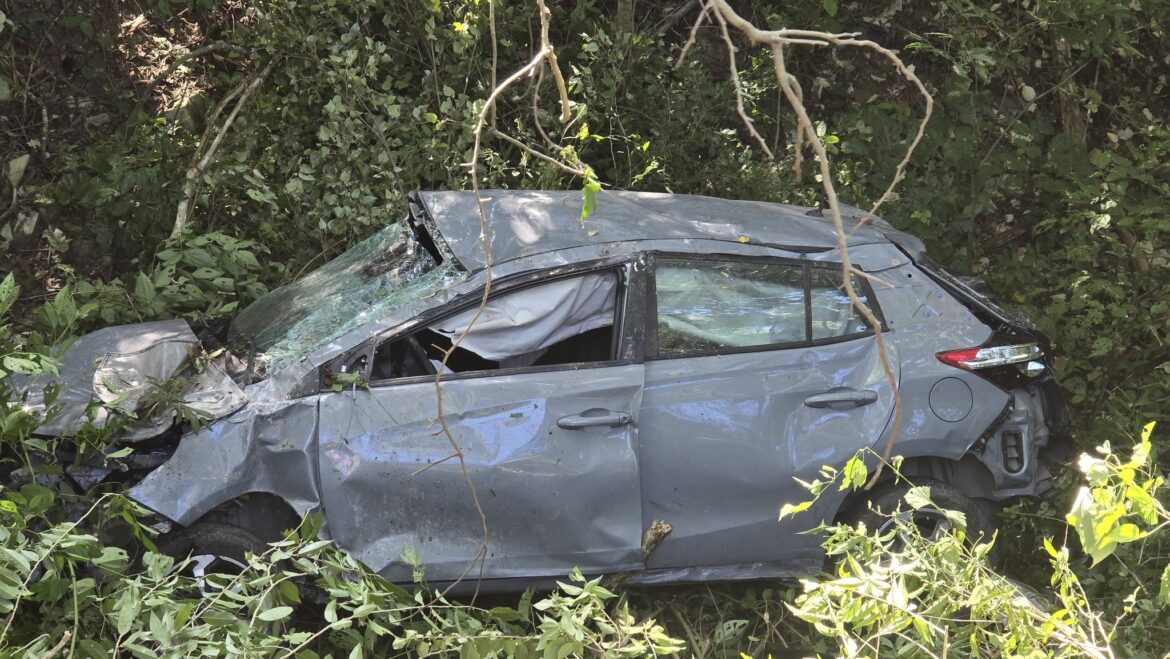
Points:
x=566, y=321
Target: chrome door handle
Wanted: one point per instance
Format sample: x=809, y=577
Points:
x=842, y=398
x=595, y=417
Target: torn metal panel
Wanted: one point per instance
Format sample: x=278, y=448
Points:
x=270, y=447
x=113, y=369
x=555, y=498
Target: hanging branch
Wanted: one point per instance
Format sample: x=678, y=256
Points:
x=776, y=41
x=544, y=55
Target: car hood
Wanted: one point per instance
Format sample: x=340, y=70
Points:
x=108, y=376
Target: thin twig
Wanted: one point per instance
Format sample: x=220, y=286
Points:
x=739, y=93
x=195, y=173
x=568, y=169
x=537, y=60
x=60, y=645
x=495, y=50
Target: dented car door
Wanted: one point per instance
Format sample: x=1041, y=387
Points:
x=549, y=444
x=763, y=374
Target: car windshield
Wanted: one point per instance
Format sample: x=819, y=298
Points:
x=371, y=279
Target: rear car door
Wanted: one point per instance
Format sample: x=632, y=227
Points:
x=542, y=398
x=758, y=372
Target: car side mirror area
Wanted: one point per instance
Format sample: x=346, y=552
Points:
x=346, y=370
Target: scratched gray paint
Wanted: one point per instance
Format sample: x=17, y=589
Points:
x=714, y=444
x=745, y=413
x=554, y=498
x=523, y=223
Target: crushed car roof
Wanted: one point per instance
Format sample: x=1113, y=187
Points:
x=527, y=222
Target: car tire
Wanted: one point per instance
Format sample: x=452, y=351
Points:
x=886, y=499
x=212, y=547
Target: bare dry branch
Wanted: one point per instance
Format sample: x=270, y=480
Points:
x=842, y=244
x=206, y=156
x=551, y=56
x=777, y=40
x=575, y=171
x=545, y=54
x=690, y=42
x=739, y=92
x=495, y=50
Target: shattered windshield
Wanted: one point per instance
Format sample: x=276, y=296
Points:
x=374, y=277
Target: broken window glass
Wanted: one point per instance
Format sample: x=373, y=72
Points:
x=706, y=305
x=371, y=279
x=832, y=314
x=562, y=322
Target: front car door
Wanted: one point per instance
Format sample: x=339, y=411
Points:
x=542, y=398
x=730, y=413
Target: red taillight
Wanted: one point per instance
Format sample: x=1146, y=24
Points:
x=991, y=356
x=957, y=358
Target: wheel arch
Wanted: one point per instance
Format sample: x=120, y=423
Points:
x=967, y=474
x=265, y=515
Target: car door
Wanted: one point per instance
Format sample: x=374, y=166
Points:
x=762, y=374
x=547, y=437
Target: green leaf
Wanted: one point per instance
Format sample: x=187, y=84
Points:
x=918, y=497
x=855, y=474
x=1164, y=588
x=275, y=613
x=16, y=168
x=830, y=7
x=589, y=194
x=789, y=509
x=16, y=364
x=8, y=292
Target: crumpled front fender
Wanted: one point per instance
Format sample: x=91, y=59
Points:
x=266, y=447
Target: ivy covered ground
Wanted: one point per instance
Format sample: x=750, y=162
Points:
x=1045, y=170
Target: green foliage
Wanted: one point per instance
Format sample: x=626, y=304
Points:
x=211, y=275
x=1044, y=169
x=1115, y=493
x=897, y=591
x=61, y=582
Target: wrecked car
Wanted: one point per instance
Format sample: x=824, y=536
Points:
x=672, y=361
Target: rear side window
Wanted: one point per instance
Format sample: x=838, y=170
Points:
x=707, y=306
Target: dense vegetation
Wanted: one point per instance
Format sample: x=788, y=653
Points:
x=1046, y=169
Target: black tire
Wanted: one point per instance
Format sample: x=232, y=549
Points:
x=213, y=547
x=886, y=499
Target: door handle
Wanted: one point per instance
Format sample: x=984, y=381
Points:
x=594, y=417
x=842, y=398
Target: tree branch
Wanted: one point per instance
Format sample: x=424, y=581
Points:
x=202, y=162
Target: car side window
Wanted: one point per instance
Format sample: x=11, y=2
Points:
x=832, y=314
x=707, y=306
x=566, y=321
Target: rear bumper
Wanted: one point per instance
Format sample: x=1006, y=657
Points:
x=1032, y=433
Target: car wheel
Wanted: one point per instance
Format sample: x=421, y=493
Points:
x=207, y=548
x=887, y=504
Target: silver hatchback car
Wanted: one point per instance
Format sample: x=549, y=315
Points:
x=673, y=358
